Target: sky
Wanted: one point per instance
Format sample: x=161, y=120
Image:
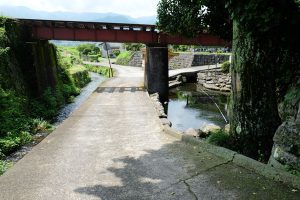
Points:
x=133, y=8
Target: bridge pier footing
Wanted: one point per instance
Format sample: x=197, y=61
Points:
x=156, y=71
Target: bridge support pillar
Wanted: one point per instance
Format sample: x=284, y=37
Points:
x=156, y=71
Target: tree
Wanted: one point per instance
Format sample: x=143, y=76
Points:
x=88, y=49
x=265, y=40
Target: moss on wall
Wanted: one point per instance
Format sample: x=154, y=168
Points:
x=33, y=84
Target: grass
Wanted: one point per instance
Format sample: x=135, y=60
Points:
x=40, y=125
x=124, y=58
x=79, y=75
x=76, y=69
x=5, y=165
x=105, y=71
x=219, y=138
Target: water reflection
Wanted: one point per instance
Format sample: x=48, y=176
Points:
x=191, y=107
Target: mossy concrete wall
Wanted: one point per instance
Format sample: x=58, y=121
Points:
x=45, y=65
x=27, y=66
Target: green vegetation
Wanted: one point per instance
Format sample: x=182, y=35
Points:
x=180, y=48
x=116, y=52
x=266, y=59
x=133, y=46
x=105, y=71
x=292, y=170
x=34, y=83
x=80, y=75
x=225, y=67
x=70, y=59
x=4, y=165
x=124, y=58
x=12, y=141
x=219, y=138
x=70, y=56
x=89, y=52
x=40, y=125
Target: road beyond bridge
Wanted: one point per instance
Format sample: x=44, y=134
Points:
x=113, y=148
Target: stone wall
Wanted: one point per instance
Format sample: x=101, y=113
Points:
x=184, y=60
x=215, y=80
x=136, y=59
x=181, y=61
x=208, y=59
x=286, y=149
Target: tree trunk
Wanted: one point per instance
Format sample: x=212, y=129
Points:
x=254, y=115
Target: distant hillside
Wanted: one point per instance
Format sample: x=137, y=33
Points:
x=24, y=12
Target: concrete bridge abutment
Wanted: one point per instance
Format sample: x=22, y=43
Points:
x=156, y=70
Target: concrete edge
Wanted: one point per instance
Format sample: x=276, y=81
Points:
x=238, y=159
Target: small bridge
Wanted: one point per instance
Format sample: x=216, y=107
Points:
x=156, y=57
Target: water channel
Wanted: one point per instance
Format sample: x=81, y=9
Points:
x=192, y=106
x=85, y=92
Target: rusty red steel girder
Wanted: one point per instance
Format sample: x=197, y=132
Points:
x=112, y=32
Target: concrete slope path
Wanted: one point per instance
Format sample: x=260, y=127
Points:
x=113, y=147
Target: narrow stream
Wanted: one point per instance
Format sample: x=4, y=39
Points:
x=65, y=112
x=191, y=107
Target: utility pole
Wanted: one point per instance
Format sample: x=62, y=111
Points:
x=110, y=74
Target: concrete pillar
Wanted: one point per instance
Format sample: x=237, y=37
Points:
x=156, y=71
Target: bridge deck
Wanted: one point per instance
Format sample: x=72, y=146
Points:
x=112, y=32
x=113, y=148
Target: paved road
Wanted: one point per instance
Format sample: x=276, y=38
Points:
x=113, y=147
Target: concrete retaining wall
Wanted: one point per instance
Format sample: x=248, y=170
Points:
x=136, y=59
x=181, y=61
x=215, y=80
x=210, y=59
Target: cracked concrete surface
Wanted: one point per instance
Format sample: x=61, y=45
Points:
x=113, y=147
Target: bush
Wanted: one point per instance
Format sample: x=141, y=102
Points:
x=225, y=67
x=133, y=46
x=12, y=113
x=40, y=125
x=116, y=52
x=5, y=165
x=80, y=76
x=87, y=50
x=12, y=142
x=50, y=102
x=94, y=58
x=124, y=58
x=105, y=71
x=180, y=48
x=219, y=138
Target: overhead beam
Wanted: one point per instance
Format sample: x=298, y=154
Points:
x=112, y=32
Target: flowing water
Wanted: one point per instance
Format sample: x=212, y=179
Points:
x=192, y=106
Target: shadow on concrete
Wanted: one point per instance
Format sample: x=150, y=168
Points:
x=118, y=89
x=178, y=171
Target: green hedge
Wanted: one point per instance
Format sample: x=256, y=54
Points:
x=225, y=67
x=105, y=71
x=94, y=58
x=80, y=76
